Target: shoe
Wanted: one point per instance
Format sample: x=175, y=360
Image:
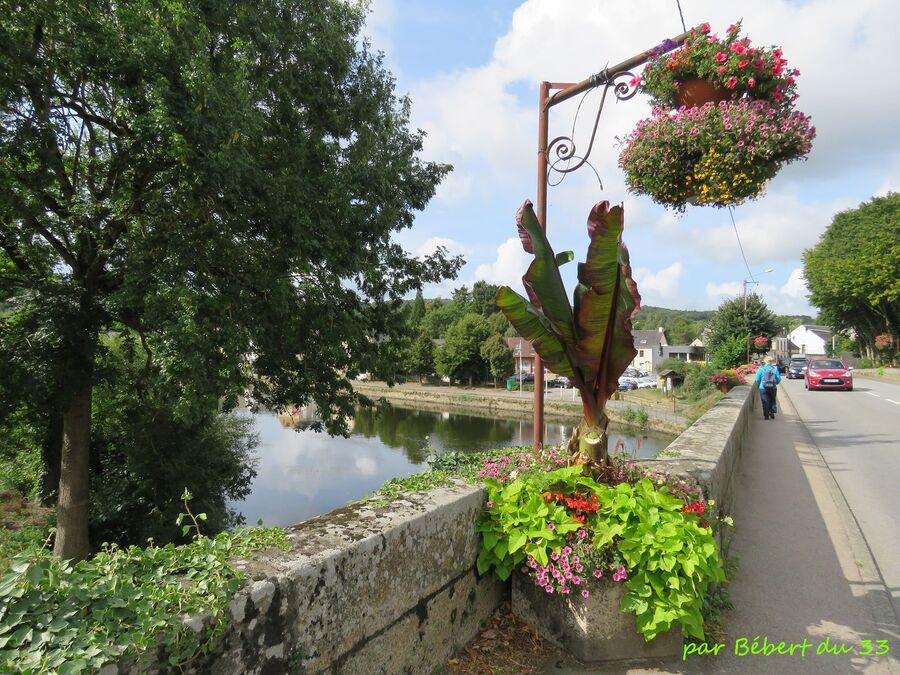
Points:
x=765, y=417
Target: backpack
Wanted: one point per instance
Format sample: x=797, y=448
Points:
x=768, y=378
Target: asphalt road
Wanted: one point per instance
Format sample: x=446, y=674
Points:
x=858, y=434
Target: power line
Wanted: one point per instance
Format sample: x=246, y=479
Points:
x=740, y=246
x=683, y=27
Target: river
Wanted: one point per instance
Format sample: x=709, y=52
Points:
x=302, y=473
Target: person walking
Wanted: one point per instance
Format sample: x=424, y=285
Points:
x=768, y=379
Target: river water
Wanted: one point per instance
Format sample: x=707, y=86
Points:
x=302, y=473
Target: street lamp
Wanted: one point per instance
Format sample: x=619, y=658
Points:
x=751, y=280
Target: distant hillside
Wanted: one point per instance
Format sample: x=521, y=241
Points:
x=682, y=326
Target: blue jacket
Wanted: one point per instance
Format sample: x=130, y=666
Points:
x=759, y=375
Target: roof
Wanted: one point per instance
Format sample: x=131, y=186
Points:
x=647, y=338
x=527, y=348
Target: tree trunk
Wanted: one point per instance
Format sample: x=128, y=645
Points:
x=51, y=458
x=73, y=504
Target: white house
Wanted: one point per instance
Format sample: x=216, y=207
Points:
x=811, y=340
x=649, y=345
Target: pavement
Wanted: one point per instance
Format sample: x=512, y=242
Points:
x=806, y=572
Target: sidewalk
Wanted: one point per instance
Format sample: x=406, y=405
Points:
x=805, y=571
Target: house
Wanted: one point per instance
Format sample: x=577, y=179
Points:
x=811, y=340
x=649, y=345
x=687, y=353
x=523, y=353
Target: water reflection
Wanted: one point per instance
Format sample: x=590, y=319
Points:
x=303, y=473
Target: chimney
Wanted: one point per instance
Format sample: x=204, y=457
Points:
x=661, y=329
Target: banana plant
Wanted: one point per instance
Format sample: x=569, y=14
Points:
x=592, y=345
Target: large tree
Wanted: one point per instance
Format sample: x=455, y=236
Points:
x=853, y=273
x=218, y=179
x=460, y=355
x=742, y=317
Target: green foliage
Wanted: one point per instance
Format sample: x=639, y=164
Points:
x=440, y=316
x=483, y=299
x=233, y=192
x=497, y=355
x=697, y=383
x=636, y=417
x=417, y=311
x=419, y=357
x=730, y=352
x=121, y=604
x=741, y=317
x=460, y=356
x=679, y=366
x=853, y=273
x=20, y=464
x=671, y=557
x=516, y=525
x=145, y=454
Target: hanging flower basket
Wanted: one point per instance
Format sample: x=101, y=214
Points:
x=761, y=342
x=730, y=68
x=718, y=155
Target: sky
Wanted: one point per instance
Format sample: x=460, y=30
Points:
x=472, y=70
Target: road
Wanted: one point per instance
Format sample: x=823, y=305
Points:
x=858, y=434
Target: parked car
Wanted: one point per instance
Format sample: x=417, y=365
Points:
x=626, y=386
x=647, y=382
x=783, y=365
x=559, y=383
x=632, y=372
x=797, y=368
x=828, y=374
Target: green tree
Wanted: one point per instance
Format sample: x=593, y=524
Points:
x=853, y=273
x=677, y=365
x=417, y=311
x=420, y=355
x=498, y=324
x=742, y=317
x=462, y=296
x=498, y=356
x=440, y=317
x=460, y=356
x=483, y=298
x=206, y=177
x=730, y=352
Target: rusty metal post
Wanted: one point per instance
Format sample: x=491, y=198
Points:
x=543, y=126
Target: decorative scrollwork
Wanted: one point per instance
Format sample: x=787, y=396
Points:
x=624, y=87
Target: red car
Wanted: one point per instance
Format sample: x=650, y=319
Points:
x=828, y=374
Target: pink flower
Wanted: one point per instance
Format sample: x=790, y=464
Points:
x=721, y=57
x=721, y=69
x=551, y=526
x=704, y=27
x=490, y=503
x=635, y=81
x=585, y=593
x=732, y=82
x=744, y=63
x=582, y=533
x=751, y=82
x=554, y=556
x=731, y=28
x=598, y=573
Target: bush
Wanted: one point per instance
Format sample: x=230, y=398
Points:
x=636, y=416
x=698, y=382
x=680, y=367
x=730, y=353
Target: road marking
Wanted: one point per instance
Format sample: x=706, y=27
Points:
x=871, y=394
x=892, y=401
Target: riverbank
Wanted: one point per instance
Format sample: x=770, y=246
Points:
x=559, y=404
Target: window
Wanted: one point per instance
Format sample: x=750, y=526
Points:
x=641, y=353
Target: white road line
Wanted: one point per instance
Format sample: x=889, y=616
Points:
x=871, y=394
x=892, y=401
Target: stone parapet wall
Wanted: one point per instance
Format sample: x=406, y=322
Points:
x=393, y=589
x=707, y=454
x=362, y=590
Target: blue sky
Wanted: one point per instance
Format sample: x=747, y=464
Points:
x=472, y=70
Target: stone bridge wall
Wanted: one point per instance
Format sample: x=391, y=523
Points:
x=393, y=590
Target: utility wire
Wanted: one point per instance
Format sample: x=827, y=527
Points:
x=740, y=246
x=683, y=27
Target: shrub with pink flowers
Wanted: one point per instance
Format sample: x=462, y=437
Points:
x=732, y=64
x=719, y=379
x=761, y=342
x=882, y=341
x=570, y=534
x=717, y=155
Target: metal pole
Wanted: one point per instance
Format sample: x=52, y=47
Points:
x=543, y=125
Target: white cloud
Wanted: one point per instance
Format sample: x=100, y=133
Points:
x=722, y=291
x=660, y=285
x=429, y=246
x=511, y=263
x=788, y=298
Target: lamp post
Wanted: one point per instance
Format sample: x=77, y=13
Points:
x=619, y=78
x=746, y=320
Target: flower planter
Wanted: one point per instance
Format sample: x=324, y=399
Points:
x=592, y=629
x=696, y=91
